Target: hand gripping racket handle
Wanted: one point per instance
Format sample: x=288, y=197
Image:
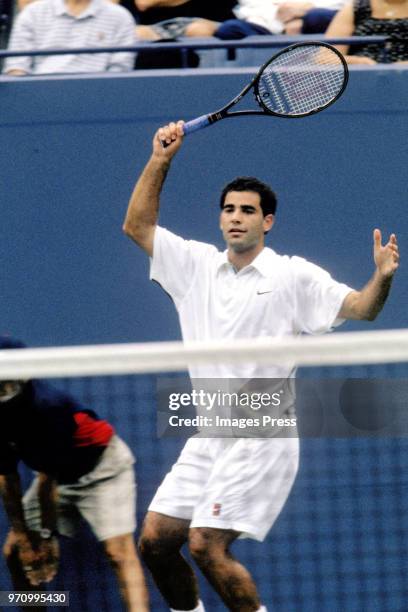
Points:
x=196, y=124
x=192, y=126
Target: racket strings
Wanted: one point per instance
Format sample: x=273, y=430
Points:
x=302, y=80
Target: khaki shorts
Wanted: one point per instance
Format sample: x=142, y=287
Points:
x=238, y=484
x=105, y=497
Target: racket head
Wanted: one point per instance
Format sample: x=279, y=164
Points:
x=302, y=79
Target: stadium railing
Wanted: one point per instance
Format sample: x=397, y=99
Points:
x=228, y=48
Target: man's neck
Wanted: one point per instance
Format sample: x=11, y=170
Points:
x=76, y=7
x=240, y=260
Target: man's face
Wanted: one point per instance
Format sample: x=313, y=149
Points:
x=242, y=222
x=9, y=389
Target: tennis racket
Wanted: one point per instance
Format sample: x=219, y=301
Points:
x=300, y=80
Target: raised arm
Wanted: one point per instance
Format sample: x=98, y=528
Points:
x=367, y=303
x=143, y=210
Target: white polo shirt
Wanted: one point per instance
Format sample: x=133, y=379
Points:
x=47, y=24
x=273, y=296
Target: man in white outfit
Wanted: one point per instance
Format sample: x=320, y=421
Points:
x=224, y=488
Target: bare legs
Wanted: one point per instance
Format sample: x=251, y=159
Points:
x=160, y=543
x=231, y=580
x=121, y=552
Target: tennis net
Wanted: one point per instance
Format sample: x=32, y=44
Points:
x=341, y=541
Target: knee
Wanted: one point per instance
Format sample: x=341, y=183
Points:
x=201, y=547
x=120, y=550
x=232, y=29
x=144, y=32
x=148, y=546
x=154, y=548
x=202, y=27
x=115, y=556
x=161, y=537
x=294, y=27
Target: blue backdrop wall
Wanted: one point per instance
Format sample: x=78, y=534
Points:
x=71, y=150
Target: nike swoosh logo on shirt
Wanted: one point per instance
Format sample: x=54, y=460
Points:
x=262, y=292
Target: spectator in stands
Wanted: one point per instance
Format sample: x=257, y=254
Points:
x=375, y=17
x=246, y=18
x=160, y=19
x=47, y=24
x=83, y=469
x=292, y=17
x=166, y=20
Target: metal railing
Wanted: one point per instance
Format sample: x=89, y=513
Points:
x=200, y=44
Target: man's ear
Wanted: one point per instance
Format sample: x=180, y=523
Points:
x=269, y=220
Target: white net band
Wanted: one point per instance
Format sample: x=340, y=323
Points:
x=375, y=347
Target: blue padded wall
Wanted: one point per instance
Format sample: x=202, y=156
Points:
x=71, y=150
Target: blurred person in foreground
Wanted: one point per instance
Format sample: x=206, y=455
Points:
x=83, y=470
x=224, y=488
x=373, y=18
x=65, y=24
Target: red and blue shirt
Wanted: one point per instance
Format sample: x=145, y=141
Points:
x=50, y=432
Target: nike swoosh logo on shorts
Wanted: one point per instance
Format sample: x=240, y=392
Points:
x=262, y=292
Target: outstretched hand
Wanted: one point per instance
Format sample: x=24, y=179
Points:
x=386, y=257
x=167, y=140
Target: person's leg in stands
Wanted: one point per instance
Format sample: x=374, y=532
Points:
x=317, y=20
x=234, y=29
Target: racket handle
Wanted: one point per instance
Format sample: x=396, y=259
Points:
x=196, y=124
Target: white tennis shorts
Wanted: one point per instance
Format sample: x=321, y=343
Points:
x=239, y=484
x=105, y=497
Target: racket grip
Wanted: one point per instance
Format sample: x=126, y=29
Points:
x=196, y=124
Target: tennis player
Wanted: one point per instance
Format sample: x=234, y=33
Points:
x=83, y=470
x=224, y=488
